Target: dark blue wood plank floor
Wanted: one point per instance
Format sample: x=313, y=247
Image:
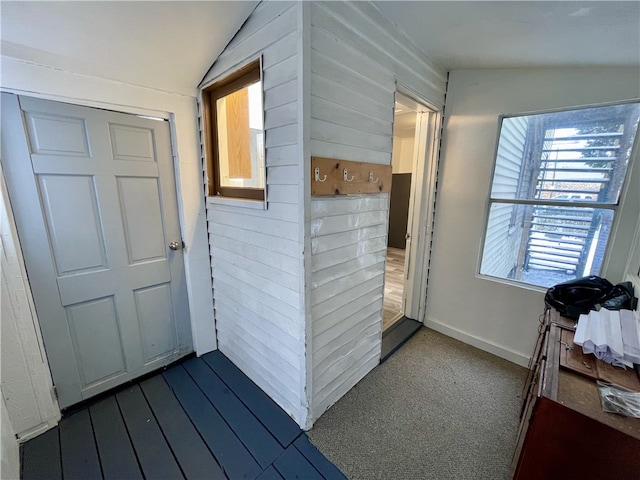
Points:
x=200, y=419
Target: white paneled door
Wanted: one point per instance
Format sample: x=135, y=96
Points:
x=94, y=198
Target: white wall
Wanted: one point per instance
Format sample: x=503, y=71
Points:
x=257, y=254
x=633, y=264
x=356, y=58
x=402, y=154
x=17, y=382
x=494, y=316
x=27, y=389
x=298, y=287
x=41, y=81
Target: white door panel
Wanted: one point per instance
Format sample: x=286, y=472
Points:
x=94, y=196
x=142, y=218
x=70, y=209
x=95, y=334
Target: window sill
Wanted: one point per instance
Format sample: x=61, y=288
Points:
x=238, y=202
x=512, y=283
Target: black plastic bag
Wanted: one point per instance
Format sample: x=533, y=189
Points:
x=584, y=294
x=578, y=296
x=620, y=297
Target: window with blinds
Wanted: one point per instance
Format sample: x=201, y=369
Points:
x=557, y=183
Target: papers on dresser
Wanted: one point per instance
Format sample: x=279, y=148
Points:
x=613, y=336
x=630, y=325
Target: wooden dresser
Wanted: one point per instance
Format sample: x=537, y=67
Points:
x=564, y=433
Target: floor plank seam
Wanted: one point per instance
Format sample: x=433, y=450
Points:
x=164, y=434
x=226, y=421
x=249, y=407
x=126, y=428
x=310, y=461
x=193, y=422
x=60, y=452
x=95, y=442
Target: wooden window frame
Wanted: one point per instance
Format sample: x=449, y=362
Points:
x=241, y=78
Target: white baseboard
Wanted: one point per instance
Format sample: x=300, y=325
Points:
x=37, y=430
x=477, y=342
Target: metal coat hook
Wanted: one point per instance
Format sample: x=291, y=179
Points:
x=371, y=179
x=346, y=178
x=317, y=175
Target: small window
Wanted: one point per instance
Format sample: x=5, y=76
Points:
x=556, y=188
x=234, y=134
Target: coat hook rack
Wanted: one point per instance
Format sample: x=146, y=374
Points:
x=345, y=176
x=317, y=175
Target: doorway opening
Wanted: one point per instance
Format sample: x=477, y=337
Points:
x=402, y=160
x=413, y=160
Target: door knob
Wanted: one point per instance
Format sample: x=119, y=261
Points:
x=175, y=245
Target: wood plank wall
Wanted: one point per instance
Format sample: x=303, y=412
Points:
x=26, y=380
x=257, y=254
x=356, y=58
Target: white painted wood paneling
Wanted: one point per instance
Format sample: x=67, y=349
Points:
x=257, y=254
x=309, y=273
x=357, y=57
x=10, y=463
x=27, y=388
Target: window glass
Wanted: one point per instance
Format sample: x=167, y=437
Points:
x=557, y=183
x=240, y=137
x=234, y=135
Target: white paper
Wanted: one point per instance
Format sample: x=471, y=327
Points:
x=581, y=330
x=601, y=334
x=630, y=326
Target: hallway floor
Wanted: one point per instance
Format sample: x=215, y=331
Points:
x=393, y=287
x=202, y=418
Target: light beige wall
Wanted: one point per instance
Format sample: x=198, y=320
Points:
x=495, y=316
x=402, y=154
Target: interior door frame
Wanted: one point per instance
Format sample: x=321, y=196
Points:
x=117, y=109
x=421, y=205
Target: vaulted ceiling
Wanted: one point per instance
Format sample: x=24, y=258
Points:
x=169, y=45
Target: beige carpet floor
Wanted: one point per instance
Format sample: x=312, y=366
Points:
x=436, y=409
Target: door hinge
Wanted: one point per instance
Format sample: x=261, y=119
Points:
x=54, y=392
